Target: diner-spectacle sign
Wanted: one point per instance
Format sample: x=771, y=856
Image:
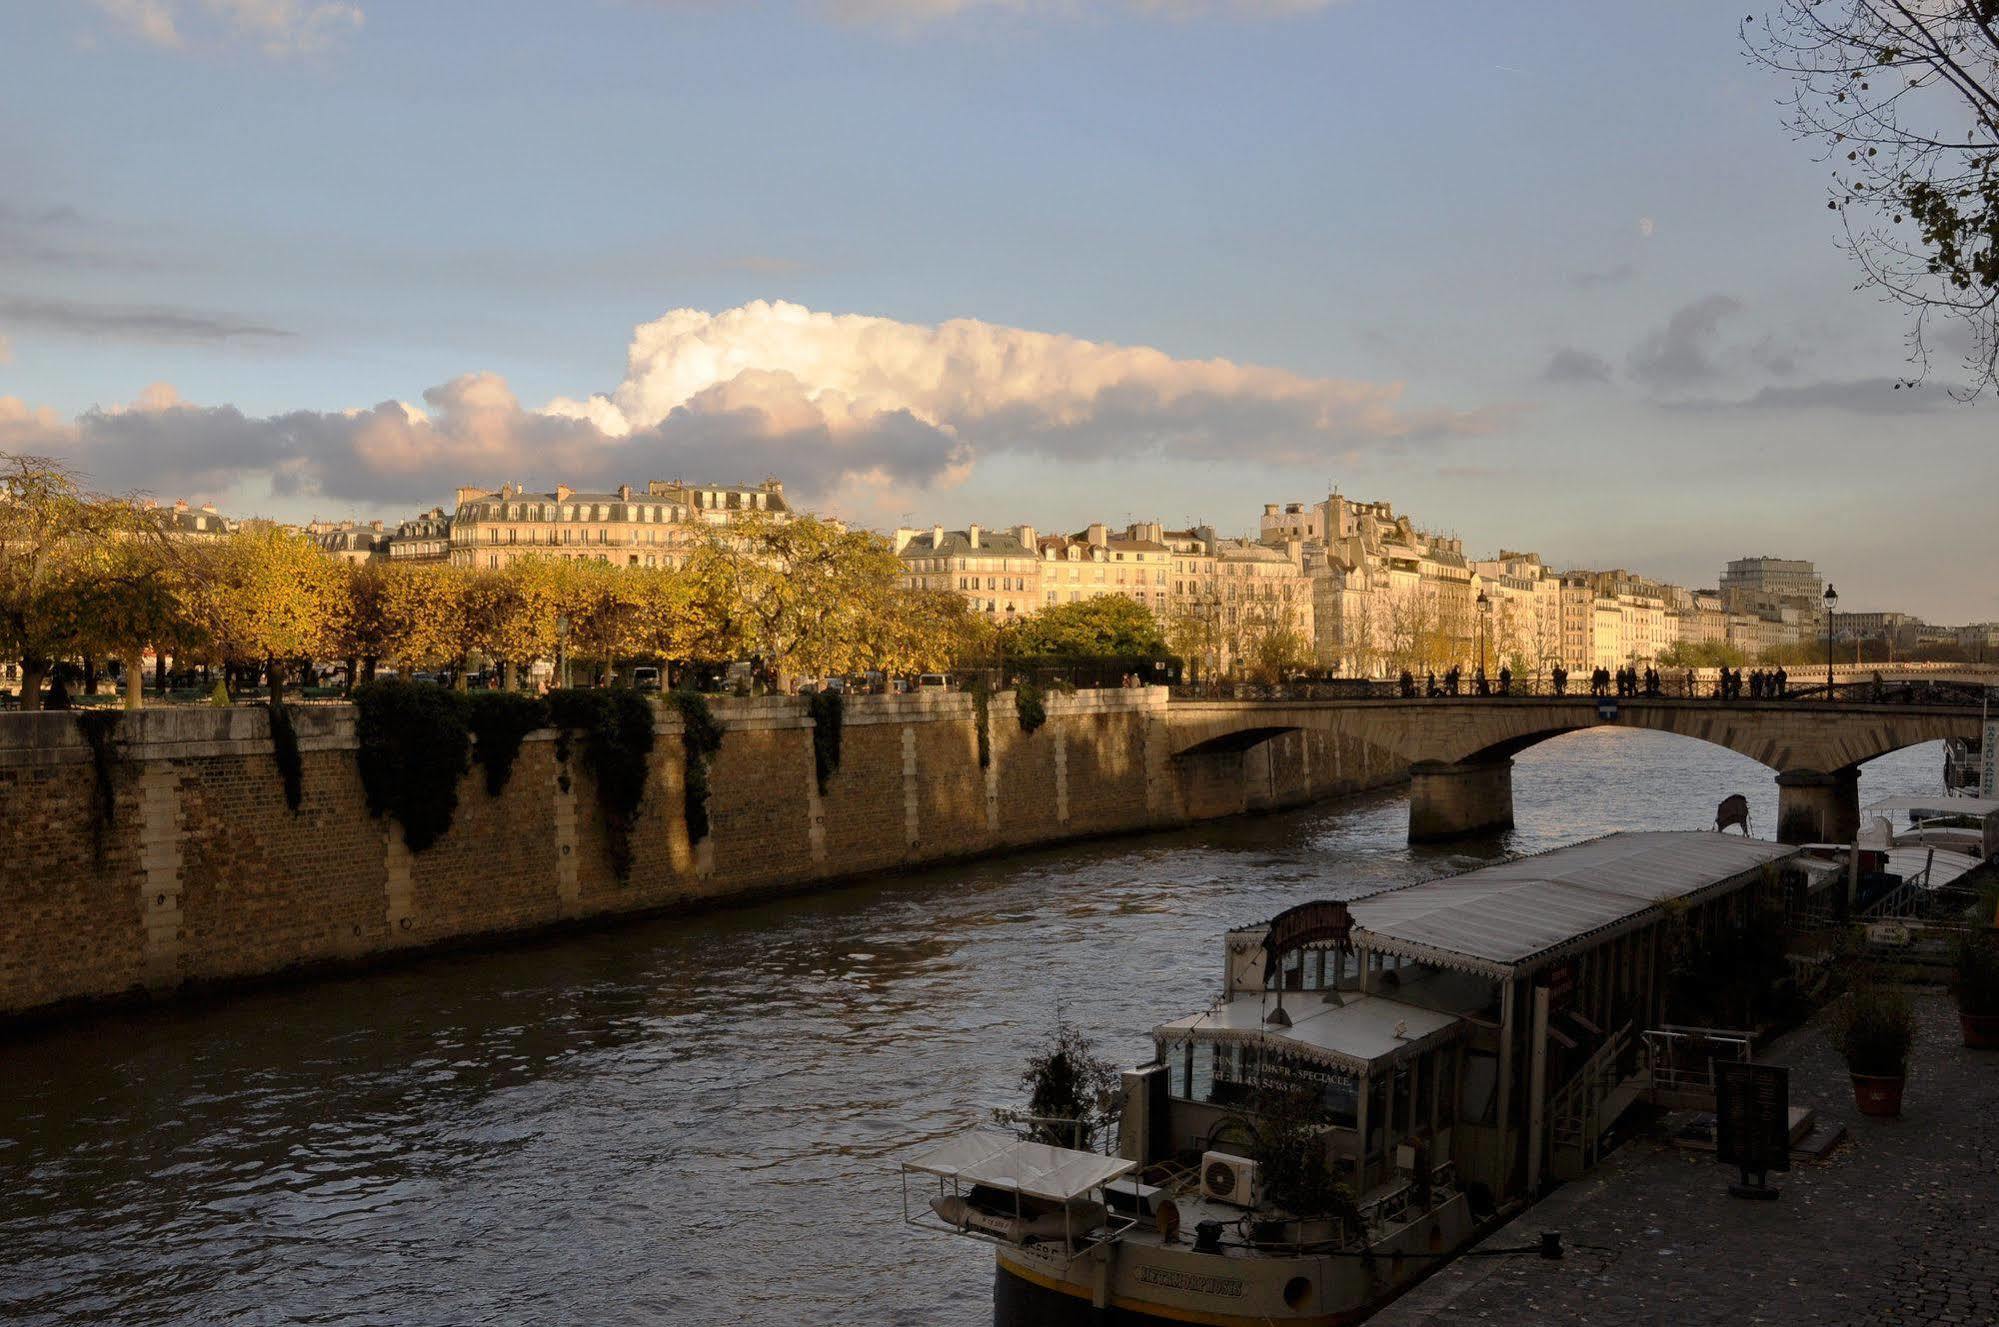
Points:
x=1752, y=1121
x=1321, y=923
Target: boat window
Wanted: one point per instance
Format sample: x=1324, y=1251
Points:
x=1480, y=1090
x=1446, y=1086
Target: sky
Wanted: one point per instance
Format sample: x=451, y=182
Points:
x=1547, y=276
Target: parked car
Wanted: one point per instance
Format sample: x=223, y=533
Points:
x=645, y=679
x=933, y=682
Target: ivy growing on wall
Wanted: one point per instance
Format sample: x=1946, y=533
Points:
x=828, y=710
x=982, y=714
x=700, y=739
x=284, y=749
x=500, y=722
x=414, y=740
x=1029, y=704
x=98, y=727
x=616, y=724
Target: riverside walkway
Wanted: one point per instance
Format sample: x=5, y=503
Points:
x=1899, y=1225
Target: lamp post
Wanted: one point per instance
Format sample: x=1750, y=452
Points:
x=1831, y=602
x=1484, y=612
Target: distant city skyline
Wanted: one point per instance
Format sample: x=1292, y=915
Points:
x=1551, y=289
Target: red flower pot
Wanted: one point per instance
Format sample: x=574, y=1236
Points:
x=1879, y=1095
x=1981, y=1031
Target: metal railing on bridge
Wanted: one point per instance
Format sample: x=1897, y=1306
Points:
x=1675, y=687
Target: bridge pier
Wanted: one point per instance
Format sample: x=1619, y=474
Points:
x=1815, y=807
x=1449, y=801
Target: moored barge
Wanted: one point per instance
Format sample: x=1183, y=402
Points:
x=1461, y=1041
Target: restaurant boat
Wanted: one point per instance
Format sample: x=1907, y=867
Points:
x=1466, y=1039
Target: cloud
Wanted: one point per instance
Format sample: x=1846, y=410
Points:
x=1682, y=352
x=1003, y=387
x=151, y=21
x=1613, y=276
x=1646, y=227
x=1867, y=396
x=58, y=236
x=831, y=403
x=133, y=323
x=1569, y=365
x=276, y=27
x=909, y=13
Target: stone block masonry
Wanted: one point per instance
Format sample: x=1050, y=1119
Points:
x=197, y=871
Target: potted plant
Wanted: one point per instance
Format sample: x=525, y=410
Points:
x=1977, y=990
x=1876, y=1027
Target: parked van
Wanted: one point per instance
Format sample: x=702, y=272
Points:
x=932, y=682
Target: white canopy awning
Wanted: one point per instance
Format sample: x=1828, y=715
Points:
x=1928, y=808
x=1001, y=1161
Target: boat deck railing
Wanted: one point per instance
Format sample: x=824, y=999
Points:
x=1681, y=1060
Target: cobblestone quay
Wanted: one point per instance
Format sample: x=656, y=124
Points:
x=1899, y=1225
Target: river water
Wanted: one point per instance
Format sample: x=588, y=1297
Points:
x=682, y=1121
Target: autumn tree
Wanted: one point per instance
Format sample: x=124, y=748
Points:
x=1267, y=644
x=70, y=576
x=272, y=597
x=1193, y=632
x=791, y=595
x=1106, y=626
x=1903, y=100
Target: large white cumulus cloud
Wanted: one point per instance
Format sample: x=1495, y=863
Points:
x=997, y=388
x=832, y=403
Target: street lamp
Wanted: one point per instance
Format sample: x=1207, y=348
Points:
x=1831, y=602
x=1484, y=612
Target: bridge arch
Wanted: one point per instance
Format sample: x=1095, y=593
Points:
x=1458, y=752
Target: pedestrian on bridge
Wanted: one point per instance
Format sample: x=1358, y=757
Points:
x=1505, y=679
x=1783, y=681
x=1560, y=676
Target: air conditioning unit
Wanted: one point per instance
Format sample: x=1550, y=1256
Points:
x=1229, y=1179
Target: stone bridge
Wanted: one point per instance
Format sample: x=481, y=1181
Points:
x=1459, y=750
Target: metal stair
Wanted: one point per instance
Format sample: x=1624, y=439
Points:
x=1583, y=1108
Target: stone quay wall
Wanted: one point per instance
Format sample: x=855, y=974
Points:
x=198, y=872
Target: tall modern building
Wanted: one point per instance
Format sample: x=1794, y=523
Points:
x=1777, y=579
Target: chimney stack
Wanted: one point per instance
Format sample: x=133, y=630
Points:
x=1098, y=535
x=936, y=537
x=972, y=534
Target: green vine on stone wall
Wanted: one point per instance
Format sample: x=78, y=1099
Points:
x=828, y=710
x=98, y=727
x=284, y=749
x=616, y=723
x=982, y=712
x=1030, y=705
x=413, y=740
x=500, y=722
x=700, y=739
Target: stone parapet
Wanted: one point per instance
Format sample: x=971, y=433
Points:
x=197, y=871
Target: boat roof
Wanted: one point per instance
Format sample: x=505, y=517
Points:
x=1360, y=1031
x=1512, y=918
x=1001, y=1161
x=1938, y=805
